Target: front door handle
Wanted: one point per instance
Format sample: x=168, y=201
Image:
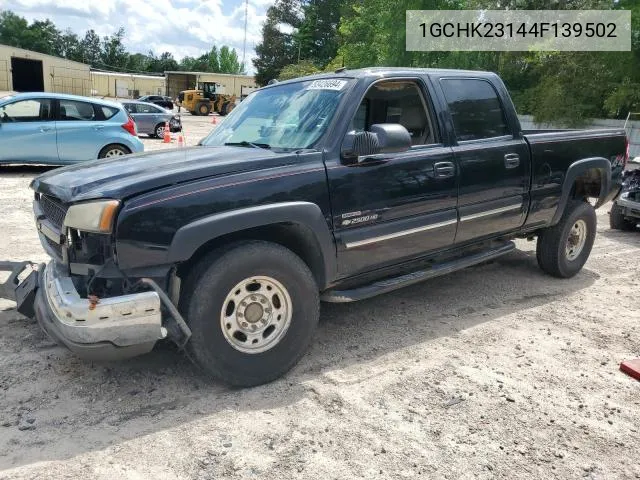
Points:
x=46, y=129
x=511, y=160
x=444, y=169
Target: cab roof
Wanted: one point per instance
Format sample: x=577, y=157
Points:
x=381, y=72
x=59, y=96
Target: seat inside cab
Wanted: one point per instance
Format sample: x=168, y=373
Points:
x=395, y=101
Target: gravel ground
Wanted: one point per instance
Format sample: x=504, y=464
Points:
x=497, y=371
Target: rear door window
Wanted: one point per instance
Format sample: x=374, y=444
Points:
x=73, y=110
x=475, y=109
x=147, y=109
x=34, y=110
x=108, y=112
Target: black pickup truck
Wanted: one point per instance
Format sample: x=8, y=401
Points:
x=335, y=187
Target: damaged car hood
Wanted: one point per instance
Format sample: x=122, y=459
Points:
x=125, y=176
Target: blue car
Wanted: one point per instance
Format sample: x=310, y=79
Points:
x=56, y=129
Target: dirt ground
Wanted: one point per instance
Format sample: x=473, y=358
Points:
x=497, y=371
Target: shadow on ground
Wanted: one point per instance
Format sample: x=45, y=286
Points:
x=80, y=406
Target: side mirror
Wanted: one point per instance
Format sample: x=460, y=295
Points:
x=382, y=138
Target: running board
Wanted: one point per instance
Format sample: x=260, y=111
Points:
x=391, y=284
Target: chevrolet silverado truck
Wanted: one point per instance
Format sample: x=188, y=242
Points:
x=335, y=187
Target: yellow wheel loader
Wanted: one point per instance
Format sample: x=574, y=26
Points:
x=207, y=97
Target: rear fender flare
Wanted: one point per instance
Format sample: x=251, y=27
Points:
x=575, y=170
x=189, y=238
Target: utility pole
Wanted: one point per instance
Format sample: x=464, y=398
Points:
x=244, y=45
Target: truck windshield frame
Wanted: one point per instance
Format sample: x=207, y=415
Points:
x=291, y=116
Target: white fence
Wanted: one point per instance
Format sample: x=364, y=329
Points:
x=633, y=129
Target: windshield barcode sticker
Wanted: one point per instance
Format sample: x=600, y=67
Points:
x=327, y=85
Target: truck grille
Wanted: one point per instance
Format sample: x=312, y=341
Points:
x=56, y=247
x=53, y=210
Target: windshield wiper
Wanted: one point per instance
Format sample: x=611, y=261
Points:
x=248, y=144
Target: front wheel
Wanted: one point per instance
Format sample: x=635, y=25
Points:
x=203, y=109
x=252, y=309
x=113, y=151
x=563, y=249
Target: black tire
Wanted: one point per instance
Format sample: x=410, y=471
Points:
x=203, y=109
x=206, y=289
x=223, y=110
x=552, y=242
x=158, y=131
x=617, y=220
x=109, y=151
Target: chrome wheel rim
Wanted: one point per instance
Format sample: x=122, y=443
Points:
x=115, y=152
x=256, y=314
x=576, y=240
x=160, y=132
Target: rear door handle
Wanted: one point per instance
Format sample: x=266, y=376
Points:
x=511, y=160
x=444, y=169
x=46, y=129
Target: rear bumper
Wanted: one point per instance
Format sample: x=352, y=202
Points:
x=116, y=328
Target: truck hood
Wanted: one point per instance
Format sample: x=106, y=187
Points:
x=123, y=177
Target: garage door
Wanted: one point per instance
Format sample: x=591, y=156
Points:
x=27, y=75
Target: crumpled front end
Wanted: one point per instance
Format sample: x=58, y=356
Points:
x=629, y=199
x=81, y=298
x=100, y=329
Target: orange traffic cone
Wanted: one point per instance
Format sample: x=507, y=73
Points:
x=167, y=133
x=180, y=140
x=213, y=120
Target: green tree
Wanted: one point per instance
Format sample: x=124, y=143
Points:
x=277, y=48
x=14, y=30
x=91, y=48
x=114, y=54
x=211, y=60
x=229, y=62
x=69, y=46
x=317, y=36
x=305, y=67
x=45, y=37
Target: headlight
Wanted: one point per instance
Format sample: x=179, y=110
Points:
x=96, y=217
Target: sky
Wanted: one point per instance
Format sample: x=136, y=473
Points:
x=182, y=27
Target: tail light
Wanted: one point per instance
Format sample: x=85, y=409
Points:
x=626, y=152
x=130, y=127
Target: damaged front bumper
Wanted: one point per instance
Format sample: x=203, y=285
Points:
x=111, y=329
x=629, y=205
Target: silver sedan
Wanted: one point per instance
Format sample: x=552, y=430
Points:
x=151, y=119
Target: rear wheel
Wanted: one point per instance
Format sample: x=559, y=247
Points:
x=617, y=220
x=158, y=130
x=113, y=151
x=563, y=249
x=253, y=309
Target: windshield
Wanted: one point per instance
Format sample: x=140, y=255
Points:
x=291, y=116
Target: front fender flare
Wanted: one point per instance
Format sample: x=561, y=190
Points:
x=189, y=238
x=574, y=171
